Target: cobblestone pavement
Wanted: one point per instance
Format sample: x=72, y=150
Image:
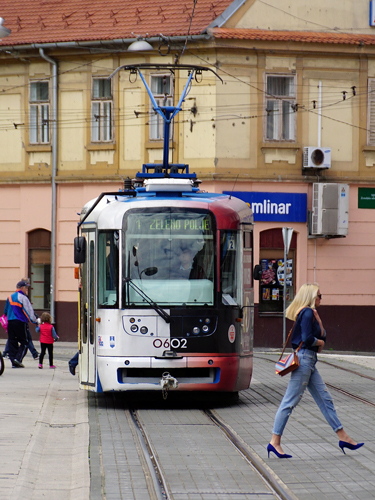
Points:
x=198, y=465
x=53, y=436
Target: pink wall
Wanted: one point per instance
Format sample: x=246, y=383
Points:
x=343, y=267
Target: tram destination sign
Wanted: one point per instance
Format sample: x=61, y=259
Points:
x=173, y=224
x=366, y=198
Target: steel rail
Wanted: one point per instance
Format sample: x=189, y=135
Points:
x=273, y=481
x=277, y=487
x=158, y=479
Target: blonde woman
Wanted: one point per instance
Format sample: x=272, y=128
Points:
x=309, y=331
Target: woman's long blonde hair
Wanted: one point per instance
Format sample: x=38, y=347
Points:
x=305, y=297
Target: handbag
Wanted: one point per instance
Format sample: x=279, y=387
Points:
x=291, y=362
x=4, y=322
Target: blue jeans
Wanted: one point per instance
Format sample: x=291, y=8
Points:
x=74, y=361
x=308, y=376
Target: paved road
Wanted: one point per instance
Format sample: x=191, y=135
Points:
x=52, y=433
x=198, y=464
x=44, y=432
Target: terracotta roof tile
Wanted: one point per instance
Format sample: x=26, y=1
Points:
x=50, y=21
x=293, y=36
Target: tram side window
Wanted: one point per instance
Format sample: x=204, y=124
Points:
x=108, y=269
x=92, y=292
x=228, y=267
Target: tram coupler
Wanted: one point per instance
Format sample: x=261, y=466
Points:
x=167, y=382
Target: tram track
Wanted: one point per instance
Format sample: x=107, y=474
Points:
x=159, y=482
x=189, y=446
x=273, y=481
x=161, y=489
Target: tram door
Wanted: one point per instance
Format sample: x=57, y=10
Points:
x=88, y=345
x=248, y=293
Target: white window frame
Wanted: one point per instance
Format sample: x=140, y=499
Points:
x=280, y=126
x=371, y=112
x=156, y=122
x=39, y=116
x=102, y=129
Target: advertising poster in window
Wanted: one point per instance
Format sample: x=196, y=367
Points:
x=272, y=284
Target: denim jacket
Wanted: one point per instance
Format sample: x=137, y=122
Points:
x=307, y=330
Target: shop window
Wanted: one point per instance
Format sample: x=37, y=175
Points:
x=162, y=90
x=280, y=104
x=271, y=284
x=101, y=110
x=39, y=245
x=39, y=113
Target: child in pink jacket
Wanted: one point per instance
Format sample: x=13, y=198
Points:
x=48, y=336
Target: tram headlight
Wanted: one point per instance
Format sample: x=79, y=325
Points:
x=196, y=330
x=134, y=328
x=205, y=328
x=144, y=330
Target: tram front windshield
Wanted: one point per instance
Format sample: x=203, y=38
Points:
x=169, y=255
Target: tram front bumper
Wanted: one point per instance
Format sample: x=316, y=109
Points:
x=193, y=373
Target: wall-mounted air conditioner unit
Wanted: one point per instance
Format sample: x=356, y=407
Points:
x=330, y=210
x=316, y=157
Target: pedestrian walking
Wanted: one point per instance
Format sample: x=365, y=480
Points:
x=19, y=312
x=29, y=346
x=308, y=332
x=48, y=336
x=73, y=363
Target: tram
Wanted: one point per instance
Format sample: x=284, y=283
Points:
x=165, y=284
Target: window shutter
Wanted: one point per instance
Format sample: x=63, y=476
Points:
x=95, y=121
x=33, y=133
x=371, y=112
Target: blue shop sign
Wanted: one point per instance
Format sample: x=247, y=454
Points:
x=275, y=207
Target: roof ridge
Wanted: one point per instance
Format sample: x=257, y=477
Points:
x=293, y=35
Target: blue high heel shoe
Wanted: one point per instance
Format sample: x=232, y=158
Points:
x=279, y=455
x=344, y=444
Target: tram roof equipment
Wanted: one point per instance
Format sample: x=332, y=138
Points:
x=169, y=172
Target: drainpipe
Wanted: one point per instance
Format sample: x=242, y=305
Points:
x=54, y=170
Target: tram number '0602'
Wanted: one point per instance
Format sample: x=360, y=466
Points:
x=174, y=343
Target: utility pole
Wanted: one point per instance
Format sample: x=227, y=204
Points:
x=287, y=237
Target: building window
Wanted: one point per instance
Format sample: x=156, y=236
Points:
x=280, y=101
x=271, y=284
x=162, y=90
x=39, y=113
x=101, y=110
x=39, y=244
x=371, y=112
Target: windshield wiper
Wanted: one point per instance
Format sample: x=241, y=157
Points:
x=166, y=317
